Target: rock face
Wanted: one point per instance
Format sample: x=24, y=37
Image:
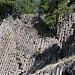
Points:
x=64, y=67
x=18, y=43
x=54, y=53
x=23, y=52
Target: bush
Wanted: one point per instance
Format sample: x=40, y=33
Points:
x=16, y=8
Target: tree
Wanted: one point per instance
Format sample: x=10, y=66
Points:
x=21, y=6
x=52, y=9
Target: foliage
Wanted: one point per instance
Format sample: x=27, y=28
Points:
x=50, y=8
x=19, y=6
x=53, y=8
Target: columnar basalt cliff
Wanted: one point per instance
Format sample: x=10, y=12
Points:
x=19, y=43
x=48, y=64
x=65, y=27
x=24, y=52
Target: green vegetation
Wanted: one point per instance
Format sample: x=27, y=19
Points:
x=50, y=9
x=18, y=6
x=53, y=8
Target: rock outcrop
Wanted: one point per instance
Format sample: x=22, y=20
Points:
x=65, y=52
x=62, y=67
x=23, y=52
x=19, y=42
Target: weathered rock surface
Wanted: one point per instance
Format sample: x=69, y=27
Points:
x=66, y=49
x=18, y=42
x=63, y=67
x=23, y=52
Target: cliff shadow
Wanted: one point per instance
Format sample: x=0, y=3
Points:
x=68, y=47
x=42, y=29
x=49, y=56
